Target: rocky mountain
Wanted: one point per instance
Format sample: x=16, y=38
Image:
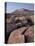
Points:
x=19, y=19
x=21, y=11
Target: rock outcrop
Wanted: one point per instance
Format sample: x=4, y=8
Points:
x=19, y=27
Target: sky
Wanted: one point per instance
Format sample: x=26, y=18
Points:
x=11, y=6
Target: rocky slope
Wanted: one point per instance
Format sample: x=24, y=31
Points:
x=20, y=23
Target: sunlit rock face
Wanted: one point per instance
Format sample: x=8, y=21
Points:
x=16, y=39
x=16, y=36
x=20, y=23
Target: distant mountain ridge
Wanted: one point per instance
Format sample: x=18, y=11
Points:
x=20, y=11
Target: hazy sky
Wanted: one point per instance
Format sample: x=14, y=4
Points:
x=10, y=6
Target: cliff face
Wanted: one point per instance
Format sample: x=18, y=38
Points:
x=21, y=20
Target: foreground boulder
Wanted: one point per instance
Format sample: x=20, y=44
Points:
x=16, y=39
x=16, y=36
x=29, y=34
